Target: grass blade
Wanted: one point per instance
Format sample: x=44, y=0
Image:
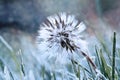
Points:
x=113, y=58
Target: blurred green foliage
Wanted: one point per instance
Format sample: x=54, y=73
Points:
x=103, y=6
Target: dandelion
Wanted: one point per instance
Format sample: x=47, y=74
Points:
x=61, y=35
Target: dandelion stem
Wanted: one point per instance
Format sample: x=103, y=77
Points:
x=89, y=59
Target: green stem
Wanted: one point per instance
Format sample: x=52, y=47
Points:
x=113, y=58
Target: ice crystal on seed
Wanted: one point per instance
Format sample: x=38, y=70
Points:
x=60, y=36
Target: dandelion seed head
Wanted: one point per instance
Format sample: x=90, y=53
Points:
x=60, y=35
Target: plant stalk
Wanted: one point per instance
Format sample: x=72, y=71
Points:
x=113, y=58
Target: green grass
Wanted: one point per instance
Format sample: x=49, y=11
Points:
x=105, y=61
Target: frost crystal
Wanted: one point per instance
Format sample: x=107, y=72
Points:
x=60, y=36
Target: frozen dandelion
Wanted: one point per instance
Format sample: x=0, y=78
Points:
x=60, y=36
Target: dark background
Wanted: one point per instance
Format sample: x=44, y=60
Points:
x=27, y=15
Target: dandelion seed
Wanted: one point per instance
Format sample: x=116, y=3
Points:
x=60, y=36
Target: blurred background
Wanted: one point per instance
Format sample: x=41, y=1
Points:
x=27, y=15
x=20, y=20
